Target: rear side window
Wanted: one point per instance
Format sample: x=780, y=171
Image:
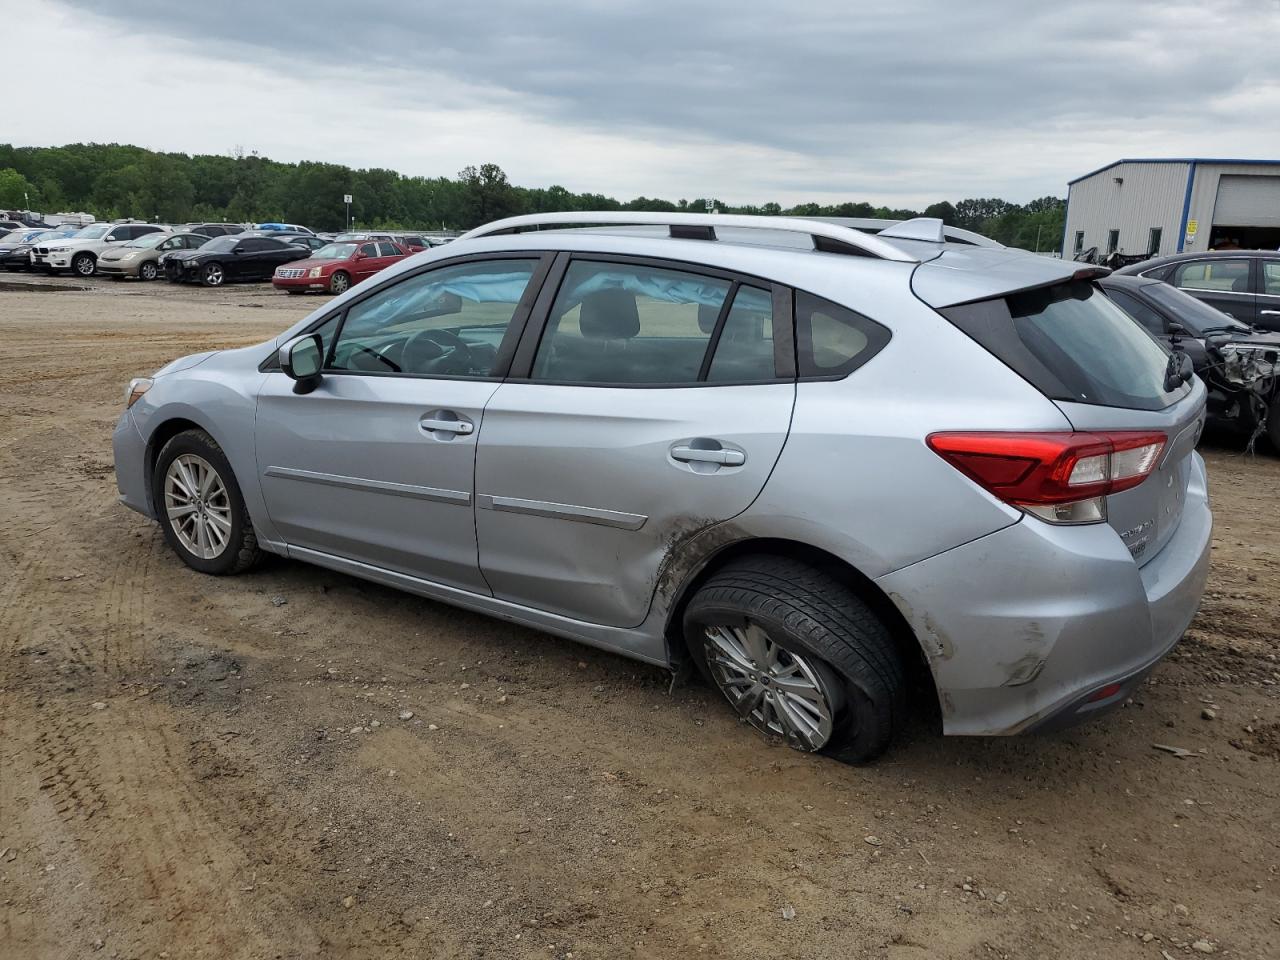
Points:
x=620, y=323
x=1072, y=344
x=832, y=341
x=1139, y=311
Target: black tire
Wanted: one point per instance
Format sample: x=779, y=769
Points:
x=241, y=550
x=213, y=275
x=1273, y=424
x=340, y=282
x=84, y=264
x=148, y=270
x=810, y=613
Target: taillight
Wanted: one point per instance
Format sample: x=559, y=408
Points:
x=1061, y=477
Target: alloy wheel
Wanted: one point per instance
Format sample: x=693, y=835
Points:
x=198, y=507
x=213, y=275
x=85, y=265
x=339, y=283
x=774, y=689
x=147, y=271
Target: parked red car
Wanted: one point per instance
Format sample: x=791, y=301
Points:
x=334, y=268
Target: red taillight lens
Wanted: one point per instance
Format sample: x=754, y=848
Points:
x=1046, y=470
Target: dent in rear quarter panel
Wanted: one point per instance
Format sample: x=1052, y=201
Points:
x=220, y=396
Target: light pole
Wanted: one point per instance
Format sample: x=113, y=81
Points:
x=346, y=198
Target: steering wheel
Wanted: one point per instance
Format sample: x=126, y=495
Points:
x=455, y=358
x=385, y=361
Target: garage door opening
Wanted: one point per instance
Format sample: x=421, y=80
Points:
x=1227, y=237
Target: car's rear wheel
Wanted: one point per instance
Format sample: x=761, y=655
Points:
x=201, y=509
x=85, y=264
x=340, y=282
x=148, y=270
x=799, y=656
x=212, y=275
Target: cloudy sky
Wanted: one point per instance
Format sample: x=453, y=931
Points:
x=901, y=102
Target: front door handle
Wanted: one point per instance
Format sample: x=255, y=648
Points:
x=725, y=458
x=445, y=424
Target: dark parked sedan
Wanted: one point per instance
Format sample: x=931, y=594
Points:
x=1242, y=283
x=226, y=259
x=1239, y=364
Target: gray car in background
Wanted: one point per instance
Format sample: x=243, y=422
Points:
x=806, y=458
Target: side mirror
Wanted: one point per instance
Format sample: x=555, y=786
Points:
x=301, y=359
x=238, y=250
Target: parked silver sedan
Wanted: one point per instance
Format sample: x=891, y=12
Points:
x=808, y=459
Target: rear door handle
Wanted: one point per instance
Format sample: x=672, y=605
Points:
x=725, y=458
x=460, y=427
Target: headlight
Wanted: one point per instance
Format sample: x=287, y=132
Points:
x=23, y=249
x=315, y=272
x=137, y=387
x=129, y=256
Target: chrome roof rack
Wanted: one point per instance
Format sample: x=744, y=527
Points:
x=926, y=229
x=828, y=237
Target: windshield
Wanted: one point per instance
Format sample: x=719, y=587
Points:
x=94, y=232
x=149, y=241
x=1196, y=315
x=13, y=236
x=335, y=251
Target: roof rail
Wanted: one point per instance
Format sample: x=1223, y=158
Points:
x=828, y=237
x=919, y=228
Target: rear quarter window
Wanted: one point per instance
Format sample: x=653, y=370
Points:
x=1072, y=344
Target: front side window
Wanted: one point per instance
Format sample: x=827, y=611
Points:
x=446, y=322
x=369, y=249
x=1227, y=276
x=617, y=323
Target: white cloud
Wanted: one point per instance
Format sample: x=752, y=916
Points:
x=749, y=102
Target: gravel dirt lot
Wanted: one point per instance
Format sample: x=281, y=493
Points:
x=226, y=768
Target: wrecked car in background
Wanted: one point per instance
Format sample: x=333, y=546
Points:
x=1240, y=364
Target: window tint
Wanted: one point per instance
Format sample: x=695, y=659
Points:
x=369, y=249
x=258, y=244
x=1138, y=310
x=1270, y=277
x=388, y=250
x=415, y=241
x=624, y=323
x=446, y=322
x=1072, y=343
x=831, y=340
x=1228, y=275
x=744, y=351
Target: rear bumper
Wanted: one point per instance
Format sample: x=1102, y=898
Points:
x=1023, y=627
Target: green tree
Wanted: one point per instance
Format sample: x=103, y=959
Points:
x=15, y=189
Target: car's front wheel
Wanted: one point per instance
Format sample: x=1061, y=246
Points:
x=148, y=270
x=340, y=282
x=799, y=656
x=201, y=509
x=85, y=264
x=212, y=275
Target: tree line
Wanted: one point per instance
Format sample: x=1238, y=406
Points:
x=117, y=180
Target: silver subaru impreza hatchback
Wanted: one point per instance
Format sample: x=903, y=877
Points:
x=810, y=458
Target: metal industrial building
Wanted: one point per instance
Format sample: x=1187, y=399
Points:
x=1168, y=206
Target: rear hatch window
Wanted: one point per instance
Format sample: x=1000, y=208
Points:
x=1073, y=344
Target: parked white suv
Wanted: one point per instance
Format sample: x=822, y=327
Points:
x=79, y=253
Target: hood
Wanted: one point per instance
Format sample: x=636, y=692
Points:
x=1265, y=339
x=310, y=262
x=184, y=363
x=185, y=254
